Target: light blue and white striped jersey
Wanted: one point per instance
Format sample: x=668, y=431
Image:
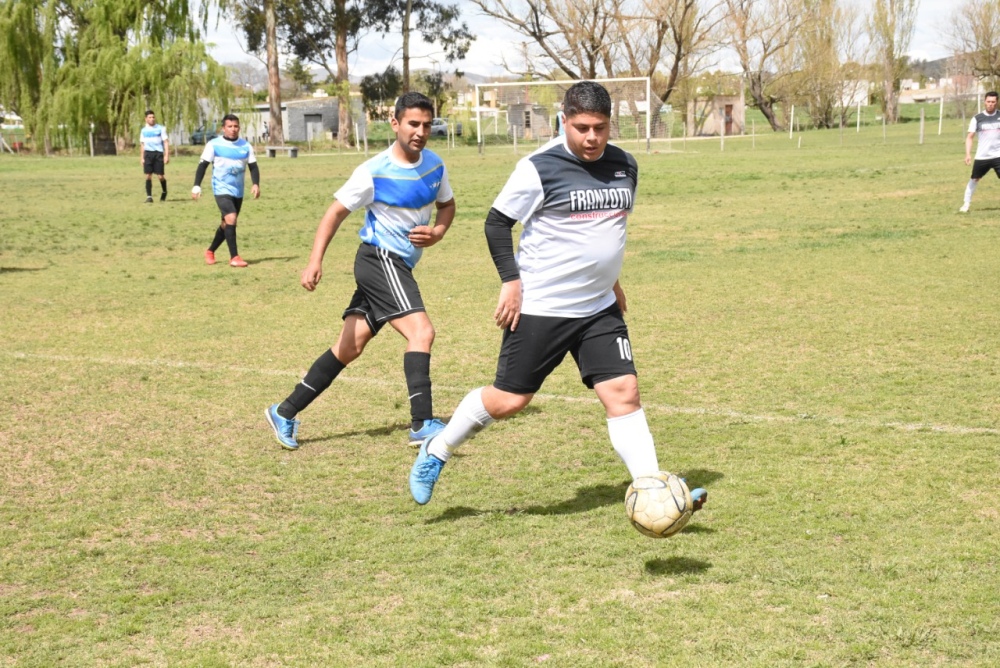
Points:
x=152, y=137
x=399, y=196
x=229, y=164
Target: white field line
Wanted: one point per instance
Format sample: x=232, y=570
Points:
x=661, y=408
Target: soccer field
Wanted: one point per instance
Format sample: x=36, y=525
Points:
x=815, y=329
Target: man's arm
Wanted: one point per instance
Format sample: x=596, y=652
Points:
x=254, y=179
x=498, y=238
x=166, y=151
x=328, y=225
x=423, y=236
x=199, y=174
x=968, y=147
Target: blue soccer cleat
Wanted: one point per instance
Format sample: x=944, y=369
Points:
x=425, y=472
x=284, y=430
x=699, y=495
x=431, y=428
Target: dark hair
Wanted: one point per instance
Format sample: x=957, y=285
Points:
x=150, y=111
x=586, y=97
x=992, y=93
x=230, y=117
x=412, y=100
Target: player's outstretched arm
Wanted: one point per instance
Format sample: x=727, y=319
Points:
x=423, y=236
x=328, y=226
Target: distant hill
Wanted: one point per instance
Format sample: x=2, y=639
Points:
x=929, y=69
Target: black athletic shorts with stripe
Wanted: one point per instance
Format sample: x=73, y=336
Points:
x=386, y=289
x=599, y=345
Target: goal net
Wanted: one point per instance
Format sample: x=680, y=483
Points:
x=526, y=111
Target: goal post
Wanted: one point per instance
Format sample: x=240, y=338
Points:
x=525, y=111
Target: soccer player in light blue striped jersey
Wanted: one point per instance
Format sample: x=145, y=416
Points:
x=230, y=157
x=154, y=155
x=401, y=190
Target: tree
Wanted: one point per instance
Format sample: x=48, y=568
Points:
x=436, y=88
x=79, y=65
x=259, y=23
x=975, y=39
x=890, y=29
x=761, y=33
x=300, y=75
x=588, y=39
x=437, y=22
x=378, y=89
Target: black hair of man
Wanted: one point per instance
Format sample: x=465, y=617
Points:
x=992, y=93
x=587, y=97
x=412, y=100
x=149, y=111
x=230, y=117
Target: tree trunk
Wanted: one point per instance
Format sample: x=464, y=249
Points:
x=275, y=129
x=344, y=128
x=762, y=102
x=406, y=45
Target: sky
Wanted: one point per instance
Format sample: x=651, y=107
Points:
x=495, y=41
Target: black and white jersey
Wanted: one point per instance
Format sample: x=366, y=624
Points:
x=987, y=127
x=574, y=214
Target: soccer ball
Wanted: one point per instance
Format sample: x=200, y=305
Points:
x=659, y=505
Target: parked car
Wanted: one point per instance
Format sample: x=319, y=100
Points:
x=439, y=128
x=201, y=135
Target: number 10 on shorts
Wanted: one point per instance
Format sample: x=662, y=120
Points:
x=624, y=348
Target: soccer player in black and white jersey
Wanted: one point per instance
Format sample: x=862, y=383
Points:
x=560, y=294
x=986, y=125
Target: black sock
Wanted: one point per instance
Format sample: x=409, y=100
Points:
x=318, y=378
x=230, y=232
x=220, y=236
x=149, y=187
x=417, y=367
x=163, y=186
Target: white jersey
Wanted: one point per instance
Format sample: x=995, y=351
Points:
x=229, y=159
x=987, y=127
x=399, y=196
x=574, y=214
x=153, y=137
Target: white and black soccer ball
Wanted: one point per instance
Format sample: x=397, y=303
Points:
x=658, y=505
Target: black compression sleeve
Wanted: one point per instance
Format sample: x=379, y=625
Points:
x=501, y=245
x=254, y=174
x=200, y=174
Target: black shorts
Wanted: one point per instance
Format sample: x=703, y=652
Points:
x=228, y=204
x=981, y=168
x=152, y=163
x=599, y=344
x=386, y=289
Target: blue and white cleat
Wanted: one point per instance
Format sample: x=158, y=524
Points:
x=425, y=472
x=431, y=428
x=284, y=430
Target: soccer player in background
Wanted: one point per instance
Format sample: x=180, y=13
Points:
x=400, y=189
x=154, y=154
x=986, y=125
x=229, y=156
x=561, y=293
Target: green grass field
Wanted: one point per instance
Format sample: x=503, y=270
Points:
x=816, y=333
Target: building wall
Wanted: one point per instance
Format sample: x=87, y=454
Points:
x=295, y=130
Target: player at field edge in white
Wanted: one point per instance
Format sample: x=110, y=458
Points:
x=154, y=154
x=986, y=126
x=561, y=294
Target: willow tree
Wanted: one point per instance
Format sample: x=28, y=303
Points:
x=96, y=65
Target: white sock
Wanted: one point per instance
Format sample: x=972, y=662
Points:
x=969, y=189
x=632, y=440
x=469, y=419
